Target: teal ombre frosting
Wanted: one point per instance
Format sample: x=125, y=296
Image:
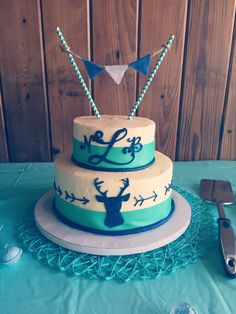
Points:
x=142, y=158
x=95, y=219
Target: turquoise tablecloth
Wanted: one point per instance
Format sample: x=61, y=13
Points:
x=32, y=287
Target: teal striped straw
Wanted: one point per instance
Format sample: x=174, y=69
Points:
x=82, y=82
x=151, y=76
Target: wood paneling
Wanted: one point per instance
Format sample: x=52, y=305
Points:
x=191, y=99
x=207, y=57
x=66, y=97
x=228, y=146
x=114, y=25
x=160, y=19
x=23, y=81
x=3, y=140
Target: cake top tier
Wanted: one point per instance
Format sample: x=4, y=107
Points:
x=110, y=124
x=115, y=121
x=113, y=143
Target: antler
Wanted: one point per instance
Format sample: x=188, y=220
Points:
x=97, y=185
x=126, y=184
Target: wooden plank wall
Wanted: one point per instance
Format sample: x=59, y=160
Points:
x=3, y=140
x=23, y=81
x=205, y=78
x=192, y=99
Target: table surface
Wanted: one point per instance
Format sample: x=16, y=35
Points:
x=33, y=287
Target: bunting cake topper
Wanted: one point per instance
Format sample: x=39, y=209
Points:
x=116, y=72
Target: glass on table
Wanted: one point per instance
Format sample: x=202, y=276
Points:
x=182, y=308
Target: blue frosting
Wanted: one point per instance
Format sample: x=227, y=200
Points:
x=112, y=204
x=139, y=201
x=107, y=156
x=70, y=196
x=86, y=166
x=116, y=232
x=168, y=187
x=95, y=159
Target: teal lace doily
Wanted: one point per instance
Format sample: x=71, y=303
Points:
x=200, y=235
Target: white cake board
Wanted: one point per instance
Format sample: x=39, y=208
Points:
x=77, y=240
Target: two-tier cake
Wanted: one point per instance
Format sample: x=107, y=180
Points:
x=115, y=182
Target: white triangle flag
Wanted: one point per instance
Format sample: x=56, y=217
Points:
x=116, y=72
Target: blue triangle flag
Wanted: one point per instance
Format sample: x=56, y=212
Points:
x=142, y=65
x=92, y=68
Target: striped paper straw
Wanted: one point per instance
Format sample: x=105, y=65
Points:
x=151, y=76
x=82, y=82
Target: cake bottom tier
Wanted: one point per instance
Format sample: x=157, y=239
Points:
x=114, y=203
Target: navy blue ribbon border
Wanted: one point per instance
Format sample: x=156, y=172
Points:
x=116, y=232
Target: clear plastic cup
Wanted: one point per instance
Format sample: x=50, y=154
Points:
x=182, y=308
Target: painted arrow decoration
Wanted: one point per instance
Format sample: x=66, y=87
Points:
x=57, y=189
x=168, y=187
x=142, y=199
x=72, y=198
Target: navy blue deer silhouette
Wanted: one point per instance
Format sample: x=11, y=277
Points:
x=112, y=204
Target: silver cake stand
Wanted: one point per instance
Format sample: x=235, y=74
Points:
x=74, y=239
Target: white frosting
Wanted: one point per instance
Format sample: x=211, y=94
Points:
x=138, y=126
x=80, y=181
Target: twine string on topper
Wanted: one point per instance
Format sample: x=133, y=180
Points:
x=79, y=57
x=116, y=72
x=70, y=51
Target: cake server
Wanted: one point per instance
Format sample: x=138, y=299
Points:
x=220, y=193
